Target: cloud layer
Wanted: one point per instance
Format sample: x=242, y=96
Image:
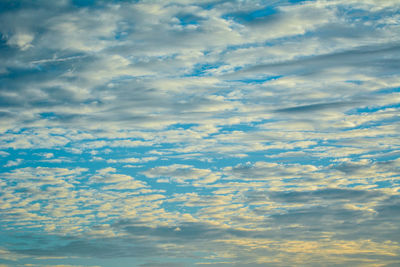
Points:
x=190, y=133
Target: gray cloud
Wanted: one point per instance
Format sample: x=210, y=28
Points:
x=315, y=107
x=328, y=194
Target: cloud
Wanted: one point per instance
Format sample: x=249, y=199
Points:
x=132, y=160
x=221, y=133
x=116, y=181
x=181, y=173
x=22, y=40
x=4, y=154
x=12, y=163
x=270, y=171
x=328, y=194
x=314, y=107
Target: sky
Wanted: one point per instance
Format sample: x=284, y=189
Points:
x=199, y=133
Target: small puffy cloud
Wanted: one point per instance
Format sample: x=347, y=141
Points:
x=48, y=155
x=4, y=154
x=116, y=181
x=106, y=170
x=12, y=163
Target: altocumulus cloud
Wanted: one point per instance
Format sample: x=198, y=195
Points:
x=190, y=133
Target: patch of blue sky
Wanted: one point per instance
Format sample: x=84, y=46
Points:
x=258, y=80
x=201, y=69
x=120, y=35
x=383, y=154
x=387, y=90
x=83, y=3
x=7, y=6
x=21, y=73
x=388, y=183
x=358, y=82
x=97, y=3
x=372, y=109
x=209, y=5
x=48, y=115
x=27, y=155
x=361, y=15
x=189, y=19
x=223, y=129
x=244, y=17
x=184, y=126
x=50, y=158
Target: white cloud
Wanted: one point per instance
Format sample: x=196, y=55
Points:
x=12, y=163
x=21, y=40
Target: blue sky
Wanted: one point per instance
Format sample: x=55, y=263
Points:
x=199, y=133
